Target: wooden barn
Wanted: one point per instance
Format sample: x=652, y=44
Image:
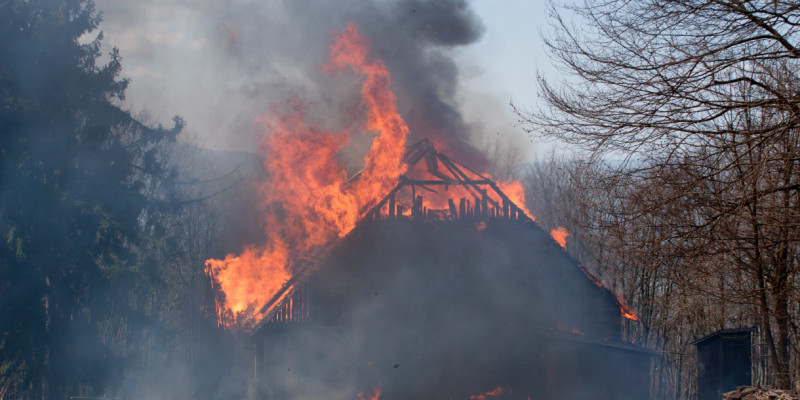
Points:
x=457, y=302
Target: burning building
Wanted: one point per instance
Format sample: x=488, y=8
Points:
x=437, y=303
x=416, y=278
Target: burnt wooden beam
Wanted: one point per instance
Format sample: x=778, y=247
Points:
x=447, y=161
x=391, y=204
x=484, y=204
x=457, y=173
x=274, y=306
x=388, y=196
x=417, y=211
x=421, y=183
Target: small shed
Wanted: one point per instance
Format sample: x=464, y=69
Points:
x=723, y=362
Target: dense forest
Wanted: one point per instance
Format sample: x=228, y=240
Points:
x=682, y=195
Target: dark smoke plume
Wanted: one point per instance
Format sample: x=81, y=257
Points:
x=234, y=59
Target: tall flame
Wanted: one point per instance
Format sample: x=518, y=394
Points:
x=306, y=199
x=383, y=161
x=305, y=203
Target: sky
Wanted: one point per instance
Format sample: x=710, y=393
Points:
x=455, y=64
x=505, y=63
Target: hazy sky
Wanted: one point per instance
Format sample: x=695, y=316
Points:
x=506, y=61
x=222, y=64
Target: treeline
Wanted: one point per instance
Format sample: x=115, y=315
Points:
x=684, y=191
x=102, y=289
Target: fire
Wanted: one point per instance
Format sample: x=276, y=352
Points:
x=250, y=278
x=563, y=328
x=376, y=395
x=494, y=393
x=516, y=193
x=624, y=310
x=591, y=277
x=306, y=206
x=560, y=235
x=383, y=162
x=307, y=198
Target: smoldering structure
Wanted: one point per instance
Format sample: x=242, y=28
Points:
x=250, y=54
x=465, y=301
x=441, y=288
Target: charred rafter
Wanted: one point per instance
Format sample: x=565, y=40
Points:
x=478, y=186
x=473, y=182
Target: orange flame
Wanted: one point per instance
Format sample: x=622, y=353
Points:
x=376, y=395
x=383, y=161
x=494, y=393
x=306, y=206
x=560, y=235
x=626, y=311
x=305, y=199
x=516, y=193
x=591, y=277
x=265, y=274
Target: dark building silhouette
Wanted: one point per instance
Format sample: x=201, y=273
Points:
x=723, y=362
x=448, y=304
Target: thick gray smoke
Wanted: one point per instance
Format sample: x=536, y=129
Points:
x=452, y=311
x=423, y=312
x=222, y=64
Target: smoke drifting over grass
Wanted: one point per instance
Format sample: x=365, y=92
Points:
x=222, y=64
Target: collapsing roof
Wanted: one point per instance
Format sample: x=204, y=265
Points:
x=483, y=201
x=433, y=302
x=482, y=198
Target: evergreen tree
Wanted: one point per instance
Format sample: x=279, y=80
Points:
x=77, y=177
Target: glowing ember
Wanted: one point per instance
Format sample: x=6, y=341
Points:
x=624, y=310
x=560, y=236
x=305, y=204
x=590, y=276
x=376, y=395
x=563, y=328
x=494, y=393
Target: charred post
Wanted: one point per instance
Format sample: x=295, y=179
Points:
x=391, y=205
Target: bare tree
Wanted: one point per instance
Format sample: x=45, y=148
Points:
x=698, y=101
x=505, y=157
